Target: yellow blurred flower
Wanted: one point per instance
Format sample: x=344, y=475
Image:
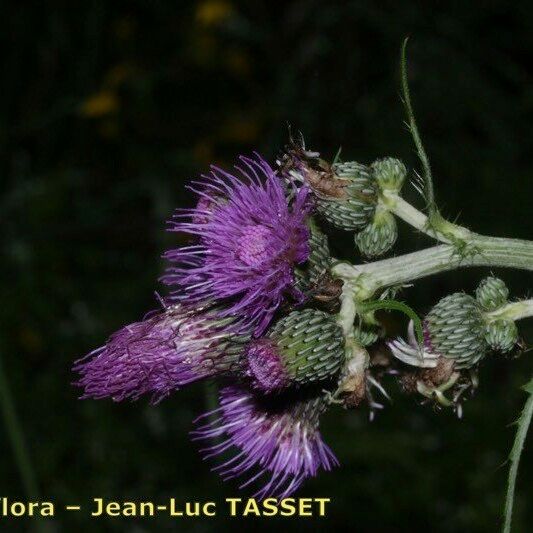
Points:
x=106, y=101
x=99, y=104
x=212, y=12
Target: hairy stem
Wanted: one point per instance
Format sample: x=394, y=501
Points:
x=348, y=310
x=481, y=251
x=356, y=355
x=442, y=231
x=516, y=452
x=513, y=311
x=411, y=123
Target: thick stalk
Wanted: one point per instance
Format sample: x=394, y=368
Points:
x=478, y=251
x=348, y=310
x=512, y=311
x=442, y=230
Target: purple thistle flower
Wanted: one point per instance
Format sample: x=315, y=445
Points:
x=249, y=238
x=274, y=441
x=161, y=354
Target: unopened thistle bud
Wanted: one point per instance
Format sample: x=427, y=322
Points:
x=379, y=236
x=345, y=194
x=462, y=328
x=389, y=173
x=349, y=201
x=303, y=347
x=455, y=329
x=365, y=337
x=492, y=293
x=501, y=335
x=319, y=261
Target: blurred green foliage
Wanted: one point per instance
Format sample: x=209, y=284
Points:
x=108, y=108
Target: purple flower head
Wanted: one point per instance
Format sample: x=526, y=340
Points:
x=249, y=238
x=161, y=354
x=273, y=442
x=265, y=366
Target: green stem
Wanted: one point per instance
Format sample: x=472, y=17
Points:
x=523, y=425
x=441, y=230
x=356, y=356
x=16, y=437
x=348, y=310
x=512, y=311
x=411, y=122
x=480, y=251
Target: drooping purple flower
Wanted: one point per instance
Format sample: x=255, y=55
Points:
x=249, y=238
x=160, y=354
x=274, y=442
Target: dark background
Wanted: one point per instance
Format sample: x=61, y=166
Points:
x=108, y=108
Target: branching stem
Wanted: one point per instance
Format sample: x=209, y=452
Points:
x=513, y=311
x=484, y=251
x=442, y=231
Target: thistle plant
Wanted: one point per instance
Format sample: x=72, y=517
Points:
x=257, y=302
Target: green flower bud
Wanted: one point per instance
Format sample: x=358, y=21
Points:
x=455, y=329
x=379, y=236
x=389, y=173
x=348, y=200
x=501, y=335
x=319, y=260
x=492, y=293
x=365, y=337
x=303, y=347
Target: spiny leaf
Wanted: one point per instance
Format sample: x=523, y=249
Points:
x=516, y=451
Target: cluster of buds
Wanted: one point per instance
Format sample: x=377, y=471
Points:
x=501, y=334
x=349, y=196
x=459, y=331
